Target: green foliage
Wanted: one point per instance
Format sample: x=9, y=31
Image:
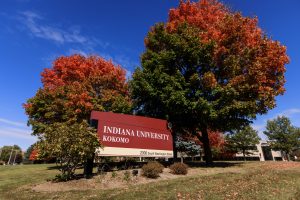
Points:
x=182, y=81
x=169, y=85
x=282, y=135
x=126, y=176
x=114, y=174
x=152, y=169
x=179, y=168
x=242, y=140
x=71, y=143
x=62, y=178
x=13, y=152
x=296, y=154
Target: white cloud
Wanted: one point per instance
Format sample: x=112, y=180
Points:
x=16, y=133
x=13, y=123
x=260, y=129
x=37, y=27
x=290, y=112
x=15, y=130
x=31, y=21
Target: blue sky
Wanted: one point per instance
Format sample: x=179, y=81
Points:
x=34, y=32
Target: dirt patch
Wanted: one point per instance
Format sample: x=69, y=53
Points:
x=112, y=180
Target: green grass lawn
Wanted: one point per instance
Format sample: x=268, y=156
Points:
x=250, y=180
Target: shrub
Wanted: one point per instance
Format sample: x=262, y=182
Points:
x=2, y=163
x=135, y=172
x=179, y=168
x=63, y=178
x=127, y=176
x=152, y=169
x=114, y=174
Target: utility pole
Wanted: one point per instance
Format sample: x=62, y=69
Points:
x=10, y=155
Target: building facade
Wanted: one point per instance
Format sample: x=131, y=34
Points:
x=262, y=152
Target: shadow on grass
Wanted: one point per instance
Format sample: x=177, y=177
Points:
x=54, y=167
x=57, y=167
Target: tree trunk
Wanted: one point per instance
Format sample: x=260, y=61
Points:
x=206, y=147
x=89, y=164
x=201, y=159
x=288, y=156
x=88, y=167
x=244, y=155
x=174, y=147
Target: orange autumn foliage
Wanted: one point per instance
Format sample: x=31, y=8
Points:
x=75, y=85
x=77, y=69
x=238, y=41
x=34, y=155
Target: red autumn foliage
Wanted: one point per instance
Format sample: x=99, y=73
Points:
x=236, y=37
x=34, y=155
x=205, y=14
x=77, y=69
x=216, y=139
x=75, y=85
x=217, y=143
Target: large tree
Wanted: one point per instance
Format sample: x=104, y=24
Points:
x=72, y=88
x=208, y=68
x=283, y=135
x=243, y=141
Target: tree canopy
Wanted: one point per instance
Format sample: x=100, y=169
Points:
x=75, y=86
x=208, y=68
x=243, y=141
x=283, y=135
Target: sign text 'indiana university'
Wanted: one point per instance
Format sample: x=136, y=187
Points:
x=129, y=135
